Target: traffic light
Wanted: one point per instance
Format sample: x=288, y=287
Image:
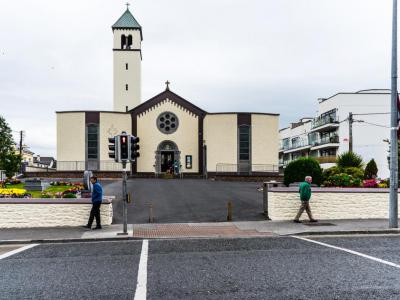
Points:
x=134, y=148
x=112, y=147
x=124, y=147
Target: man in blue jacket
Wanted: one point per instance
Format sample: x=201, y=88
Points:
x=97, y=198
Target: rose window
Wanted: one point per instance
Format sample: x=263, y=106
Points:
x=167, y=122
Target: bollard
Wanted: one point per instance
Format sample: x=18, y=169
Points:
x=230, y=211
x=151, y=215
x=265, y=200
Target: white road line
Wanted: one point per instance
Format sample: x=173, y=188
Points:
x=351, y=251
x=8, y=254
x=141, y=286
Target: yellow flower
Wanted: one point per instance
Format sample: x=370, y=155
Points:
x=12, y=191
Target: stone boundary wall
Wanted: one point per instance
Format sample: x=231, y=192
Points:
x=330, y=203
x=30, y=213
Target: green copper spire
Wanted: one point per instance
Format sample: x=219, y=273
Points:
x=127, y=21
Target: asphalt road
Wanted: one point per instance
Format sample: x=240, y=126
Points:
x=177, y=201
x=267, y=268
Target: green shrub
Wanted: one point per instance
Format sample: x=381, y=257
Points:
x=343, y=180
x=69, y=195
x=331, y=171
x=349, y=159
x=298, y=169
x=355, y=172
x=371, y=170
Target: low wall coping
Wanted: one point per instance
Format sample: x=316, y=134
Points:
x=50, y=201
x=328, y=190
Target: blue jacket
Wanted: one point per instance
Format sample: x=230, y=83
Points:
x=97, y=193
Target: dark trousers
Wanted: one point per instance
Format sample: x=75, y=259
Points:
x=95, y=212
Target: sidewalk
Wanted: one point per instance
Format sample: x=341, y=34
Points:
x=197, y=230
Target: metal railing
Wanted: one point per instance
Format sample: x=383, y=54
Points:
x=318, y=122
x=327, y=140
x=245, y=168
x=102, y=165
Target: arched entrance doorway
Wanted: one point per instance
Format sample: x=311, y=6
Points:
x=166, y=154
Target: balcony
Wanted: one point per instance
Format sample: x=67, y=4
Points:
x=327, y=142
x=325, y=124
x=326, y=159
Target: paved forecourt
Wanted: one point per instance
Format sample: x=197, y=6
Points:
x=187, y=200
x=364, y=267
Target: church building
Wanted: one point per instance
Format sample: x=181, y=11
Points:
x=171, y=129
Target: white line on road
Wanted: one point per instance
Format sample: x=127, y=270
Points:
x=8, y=254
x=141, y=286
x=350, y=251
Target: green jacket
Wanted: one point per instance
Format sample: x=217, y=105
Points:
x=305, y=191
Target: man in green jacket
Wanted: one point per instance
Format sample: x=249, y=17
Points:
x=305, y=195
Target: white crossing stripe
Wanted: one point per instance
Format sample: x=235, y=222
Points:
x=8, y=254
x=141, y=286
x=350, y=251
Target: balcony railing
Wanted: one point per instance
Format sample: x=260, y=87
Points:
x=318, y=122
x=326, y=140
x=326, y=159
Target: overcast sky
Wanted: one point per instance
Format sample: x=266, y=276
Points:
x=222, y=55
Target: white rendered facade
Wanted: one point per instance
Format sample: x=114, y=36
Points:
x=327, y=135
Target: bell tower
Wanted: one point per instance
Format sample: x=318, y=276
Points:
x=127, y=56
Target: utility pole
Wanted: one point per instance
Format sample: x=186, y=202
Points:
x=351, y=121
x=21, y=137
x=393, y=208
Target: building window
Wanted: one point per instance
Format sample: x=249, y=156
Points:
x=126, y=66
x=126, y=87
x=92, y=141
x=129, y=41
x=167, y=122
x=244, y=143
x=123, y=41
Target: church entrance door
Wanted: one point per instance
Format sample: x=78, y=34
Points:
x=167, y=161
x=167, y=153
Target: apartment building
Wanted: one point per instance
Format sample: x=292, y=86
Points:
x=327, y=135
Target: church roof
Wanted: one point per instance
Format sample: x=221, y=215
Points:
x=127, y=21
x=171, y=96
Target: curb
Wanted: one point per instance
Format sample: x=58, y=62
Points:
x=346, y=232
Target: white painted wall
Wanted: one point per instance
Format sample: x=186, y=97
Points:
x=122, y=76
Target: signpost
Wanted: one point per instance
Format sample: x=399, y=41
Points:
x=124, y=149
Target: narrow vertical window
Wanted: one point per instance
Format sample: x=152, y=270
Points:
x=244, y=143
x=126, y=66
x=92, y=141
x=126, y=87
x=123, y=41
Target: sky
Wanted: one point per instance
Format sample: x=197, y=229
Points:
x=222, y=55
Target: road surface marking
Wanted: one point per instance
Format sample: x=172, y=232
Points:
x=8, y=254
x=141, y=286
x=350, y=251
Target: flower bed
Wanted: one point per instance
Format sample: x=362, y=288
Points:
x=58, y=189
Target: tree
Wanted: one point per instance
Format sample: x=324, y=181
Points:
x=298, y=169
x=371, y=170
x=349, y=160
x=9, y=160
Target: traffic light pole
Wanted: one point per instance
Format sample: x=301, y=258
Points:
x=124, y=199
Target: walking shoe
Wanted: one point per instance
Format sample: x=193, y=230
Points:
x=313, y=221
x=86, y=227
x=296, y=221
x=96, y=228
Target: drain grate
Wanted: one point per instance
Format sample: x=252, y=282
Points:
x=319, y=224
